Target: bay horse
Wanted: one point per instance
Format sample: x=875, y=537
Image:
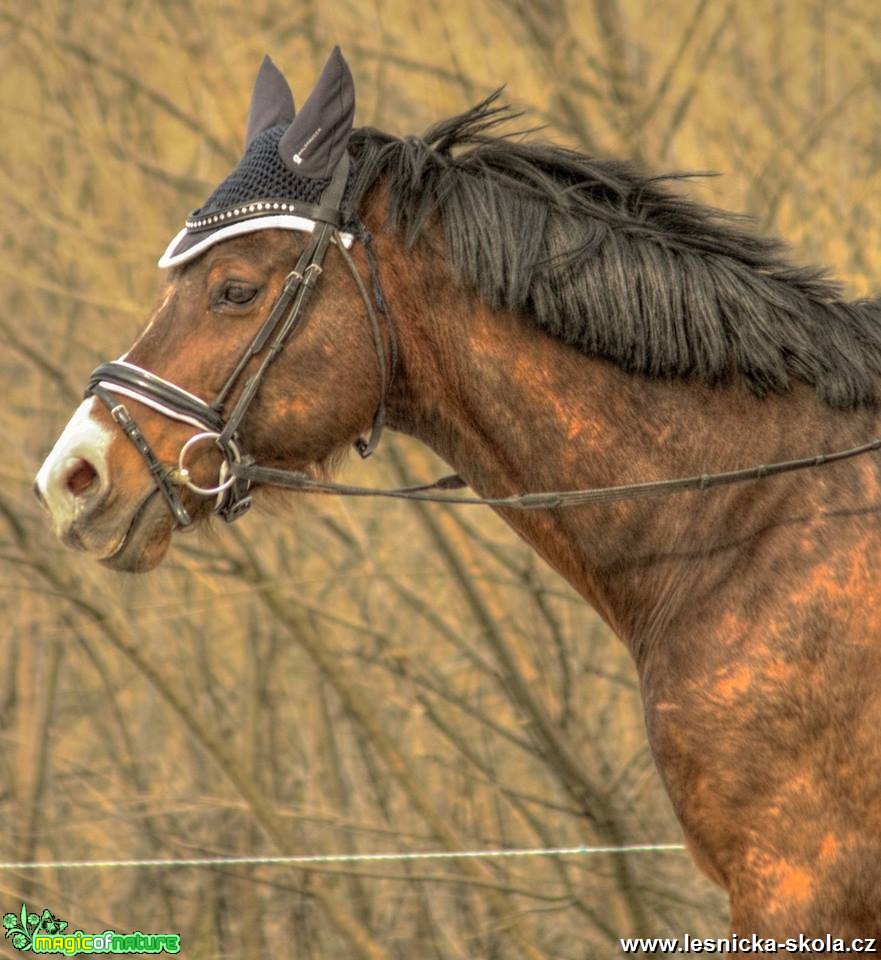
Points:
x=548, y=321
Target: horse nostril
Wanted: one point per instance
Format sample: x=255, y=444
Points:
x=80, y=478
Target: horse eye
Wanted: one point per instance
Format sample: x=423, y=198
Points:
x=238, y=293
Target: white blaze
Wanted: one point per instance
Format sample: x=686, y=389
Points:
x=84, y=438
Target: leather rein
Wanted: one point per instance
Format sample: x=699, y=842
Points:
x=239, y=471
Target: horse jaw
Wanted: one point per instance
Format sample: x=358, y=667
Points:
x=146, y=539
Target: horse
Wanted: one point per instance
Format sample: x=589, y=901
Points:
x=546, y=321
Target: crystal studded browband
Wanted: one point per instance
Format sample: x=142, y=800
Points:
x=259, y=208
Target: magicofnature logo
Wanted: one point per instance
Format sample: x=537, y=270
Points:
x=46, y=934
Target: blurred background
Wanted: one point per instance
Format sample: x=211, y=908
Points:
x=331, y=677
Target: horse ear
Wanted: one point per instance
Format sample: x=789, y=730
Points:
x=317, y=138
x=272, y=102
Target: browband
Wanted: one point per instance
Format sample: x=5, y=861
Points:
x=321, y=213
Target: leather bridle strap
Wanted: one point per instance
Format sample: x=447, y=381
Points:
x=288, y=310
x=162, y=395
x=296, y=480
x=160, y=475
x=386, y=370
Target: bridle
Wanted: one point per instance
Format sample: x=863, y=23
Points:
x=118, y=378
x=239, y=471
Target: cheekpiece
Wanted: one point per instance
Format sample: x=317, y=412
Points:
x=288, y=161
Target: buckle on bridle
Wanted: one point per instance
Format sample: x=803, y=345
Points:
x=120, y=414
x=234, y=507
x=314, y=269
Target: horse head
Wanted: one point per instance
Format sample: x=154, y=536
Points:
x=260, y=346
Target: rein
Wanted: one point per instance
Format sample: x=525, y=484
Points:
x=297, y=480
x=239, y=470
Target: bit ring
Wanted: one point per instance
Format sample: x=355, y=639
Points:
x=181, y=474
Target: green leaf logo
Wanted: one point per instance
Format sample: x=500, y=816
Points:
x=52, y=925
x=24, y=926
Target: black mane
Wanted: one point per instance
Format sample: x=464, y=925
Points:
x=620, y=266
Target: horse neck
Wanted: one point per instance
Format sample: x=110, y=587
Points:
x=514, y=410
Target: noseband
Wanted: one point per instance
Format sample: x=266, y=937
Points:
x=118, y=378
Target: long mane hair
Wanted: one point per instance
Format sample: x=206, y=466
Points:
x=618, y=264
